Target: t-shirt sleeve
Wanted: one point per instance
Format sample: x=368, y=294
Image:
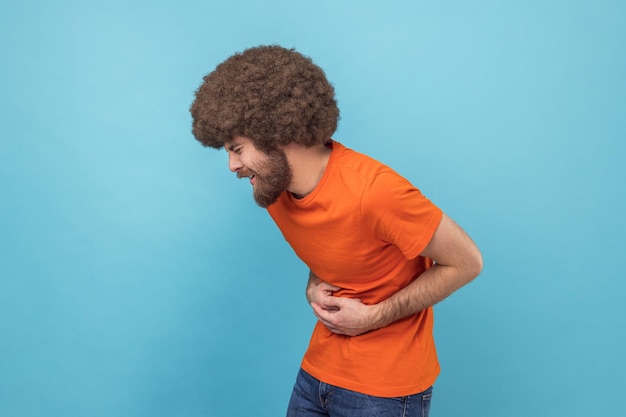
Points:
x=399, y=213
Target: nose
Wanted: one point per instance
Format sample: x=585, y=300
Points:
x=234, y=163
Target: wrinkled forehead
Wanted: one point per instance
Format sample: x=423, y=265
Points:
x=242, y=141
x=238, y=141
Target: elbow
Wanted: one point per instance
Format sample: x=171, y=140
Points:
x=475, y=265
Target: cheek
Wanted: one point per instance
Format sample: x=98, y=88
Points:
x=247, y=163
x=255, y=164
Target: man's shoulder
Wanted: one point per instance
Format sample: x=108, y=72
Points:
x=358, y=164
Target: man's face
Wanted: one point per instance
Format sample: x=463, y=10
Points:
x=269, y=173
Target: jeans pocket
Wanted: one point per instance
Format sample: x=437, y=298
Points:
x=425, y=398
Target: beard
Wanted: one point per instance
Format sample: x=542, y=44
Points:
x=272, y=177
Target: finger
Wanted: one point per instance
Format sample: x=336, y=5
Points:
x=322, y=313
x=330, y=326
x=334, y=329
x=330, y=303
x=318, y=310
x=328, y=287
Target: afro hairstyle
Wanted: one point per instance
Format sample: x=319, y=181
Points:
x=268, y=94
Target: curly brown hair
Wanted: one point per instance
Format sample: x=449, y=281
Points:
x=269, y=94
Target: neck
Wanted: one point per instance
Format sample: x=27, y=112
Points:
x=307, y=165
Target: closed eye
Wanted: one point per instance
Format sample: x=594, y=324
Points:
x=235, y=149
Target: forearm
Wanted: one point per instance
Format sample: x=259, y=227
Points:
x=435, y=284
x=457, y=262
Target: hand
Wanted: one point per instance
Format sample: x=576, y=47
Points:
x=319, y=292
x=341, y=315
x=346, y=316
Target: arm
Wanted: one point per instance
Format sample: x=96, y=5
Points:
x=457, y=262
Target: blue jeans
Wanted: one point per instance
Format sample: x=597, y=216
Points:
x=313, y=398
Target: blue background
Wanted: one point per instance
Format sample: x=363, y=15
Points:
x=138, y=278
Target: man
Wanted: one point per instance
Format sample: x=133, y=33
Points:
x=379, y=252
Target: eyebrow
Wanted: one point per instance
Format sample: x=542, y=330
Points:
x=233, y=146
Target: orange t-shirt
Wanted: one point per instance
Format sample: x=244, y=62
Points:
x=362, y=229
